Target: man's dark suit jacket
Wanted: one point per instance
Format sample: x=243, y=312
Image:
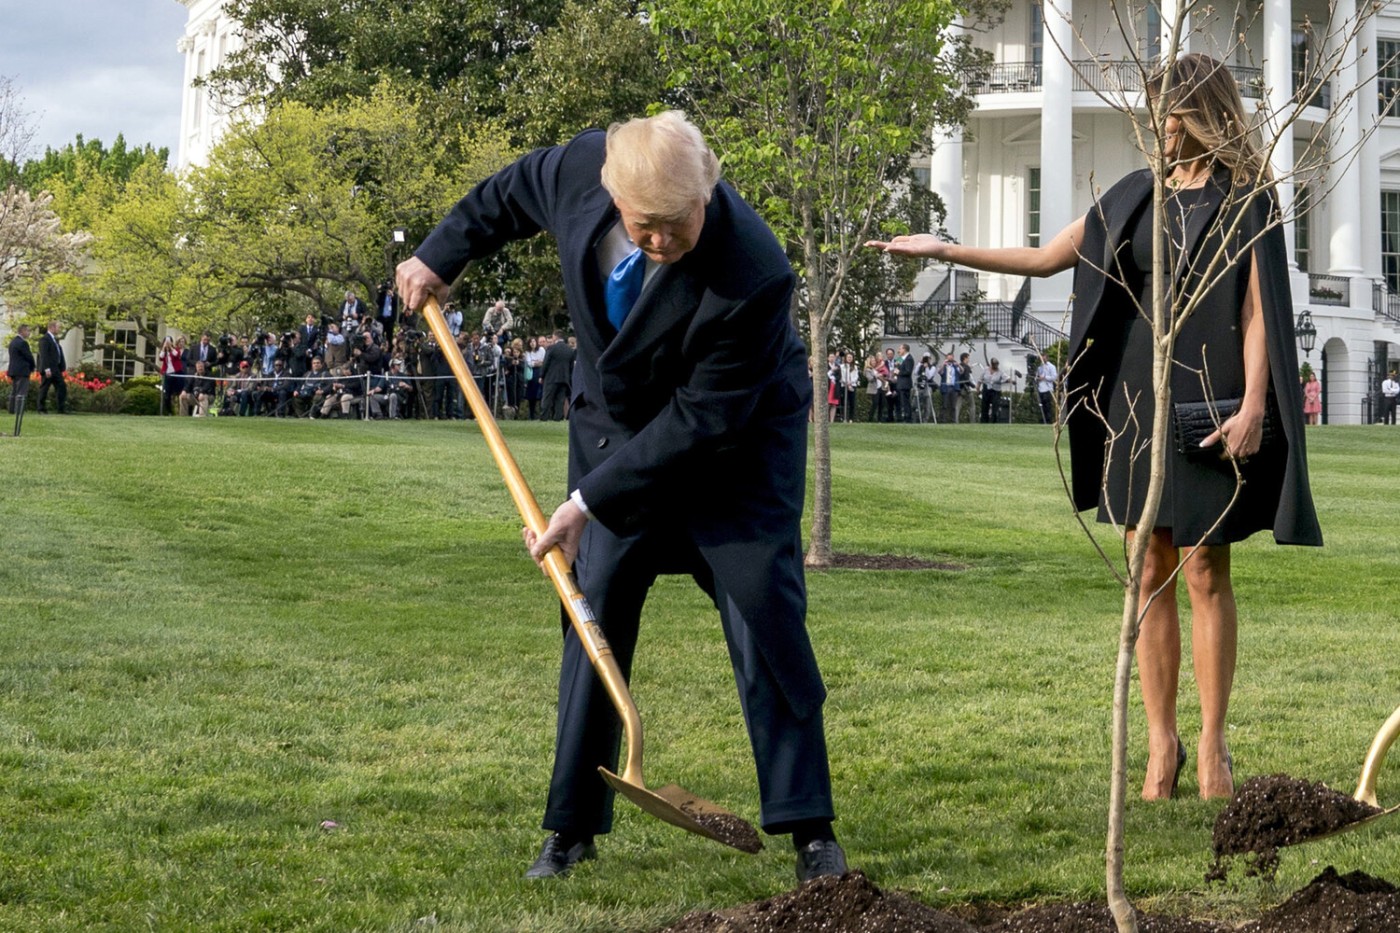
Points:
x=693, y=418
x=21, y=359
x=50, y=354
x=193, y=355
x=558, y=360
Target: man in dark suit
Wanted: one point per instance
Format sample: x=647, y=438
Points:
x=904, y=384
x=203, y=352
x=558, y=369
x=687, y=446
x=52, y=366
x=20, y=369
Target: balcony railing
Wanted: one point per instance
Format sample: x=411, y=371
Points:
x=1125, y=76
x=1384, y=303
x=942, y=320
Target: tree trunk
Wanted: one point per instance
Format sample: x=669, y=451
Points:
x=819, y=547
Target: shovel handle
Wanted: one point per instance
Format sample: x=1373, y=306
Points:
x=1366, y=789
x=580, y=614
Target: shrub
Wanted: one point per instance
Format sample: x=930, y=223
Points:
x=141, y=400
x=150, y=381
x=108, y=401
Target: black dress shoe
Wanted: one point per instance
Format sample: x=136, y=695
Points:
x=820, y=857
x=558, y=856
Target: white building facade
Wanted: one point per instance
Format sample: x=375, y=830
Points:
x=1042, y=142
x=210, y=37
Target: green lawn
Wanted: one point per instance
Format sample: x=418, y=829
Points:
x=215, y=635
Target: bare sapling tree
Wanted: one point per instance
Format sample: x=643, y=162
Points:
x=1295, y=146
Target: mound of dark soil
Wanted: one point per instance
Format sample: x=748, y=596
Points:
x=1332, y=903
x=887, y=562
x=1273, y=811
x=848, y=904
x=852, y=904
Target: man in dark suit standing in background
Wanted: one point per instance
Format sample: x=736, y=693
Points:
x=21, y=367
x=687, y=446
x=558, y=370
x=52, y=366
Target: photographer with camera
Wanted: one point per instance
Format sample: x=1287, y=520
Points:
x=367, y=358
x=993, y=381
x=498, y=321
x=337, y=348
x=399, y=390
x=197, y=391
x=276, y=389
x=387, y=304
x=311, y=391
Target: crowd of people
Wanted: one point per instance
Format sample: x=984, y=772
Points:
x=367, y=365
x=898, y=389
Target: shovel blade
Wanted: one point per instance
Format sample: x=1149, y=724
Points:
x=1354, y=825
x=679, y=807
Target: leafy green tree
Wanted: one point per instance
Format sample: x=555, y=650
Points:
x=816, y=109
x=132, y=270
x=595, y=66
x=299, y=207
x=322, y=51
x=119, y=162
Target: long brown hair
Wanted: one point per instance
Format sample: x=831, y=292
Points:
x=1203, y=94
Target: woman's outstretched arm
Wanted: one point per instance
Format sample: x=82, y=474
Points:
x=1059, y=254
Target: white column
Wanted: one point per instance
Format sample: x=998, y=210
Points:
x=1343, y=179
x=946, y=177
x=1368, y=166
x=1056, y=140
x=185, y=46
x=1170, y=9
x=1278, y=85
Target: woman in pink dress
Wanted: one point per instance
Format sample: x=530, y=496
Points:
x=1312, y=399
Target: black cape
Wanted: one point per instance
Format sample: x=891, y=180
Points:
x=1096, y=336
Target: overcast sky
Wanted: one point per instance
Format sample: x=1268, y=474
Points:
x=96, y=67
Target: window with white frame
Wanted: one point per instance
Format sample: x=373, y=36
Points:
x=1302, y=226
x=1387, y=76
x=1037, y=37
x=119, y=354
x=1033, y=206
x=1390, y=239
x=1153, y=32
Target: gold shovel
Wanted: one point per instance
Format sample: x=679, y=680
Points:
x=1366, y=787
x=672, y=803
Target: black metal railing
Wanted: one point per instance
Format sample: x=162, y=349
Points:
x=1005, y=78
x=1125, y=76
x=1329, y=290
x=1388, y=305
x=942, y=320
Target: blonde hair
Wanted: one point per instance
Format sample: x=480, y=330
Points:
x=661, y=165
x=1202, y=93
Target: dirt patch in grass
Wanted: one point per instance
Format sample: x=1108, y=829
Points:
x=1331, y=903
x=1273, y=811
x=887, y=562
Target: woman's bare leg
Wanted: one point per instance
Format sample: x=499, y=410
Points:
x=1159, y=666
x=1214, y=635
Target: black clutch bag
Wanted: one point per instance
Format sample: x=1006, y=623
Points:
x=1195, y=421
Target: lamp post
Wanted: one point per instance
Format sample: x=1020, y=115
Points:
x=1306, y=331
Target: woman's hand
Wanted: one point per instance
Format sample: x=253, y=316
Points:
x=1239, y=436
x=920, y=244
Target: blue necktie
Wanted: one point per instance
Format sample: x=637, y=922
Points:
x=623, y=286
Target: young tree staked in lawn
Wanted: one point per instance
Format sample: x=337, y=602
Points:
x=815, y=109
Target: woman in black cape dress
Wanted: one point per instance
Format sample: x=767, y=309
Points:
x=1238, y=343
